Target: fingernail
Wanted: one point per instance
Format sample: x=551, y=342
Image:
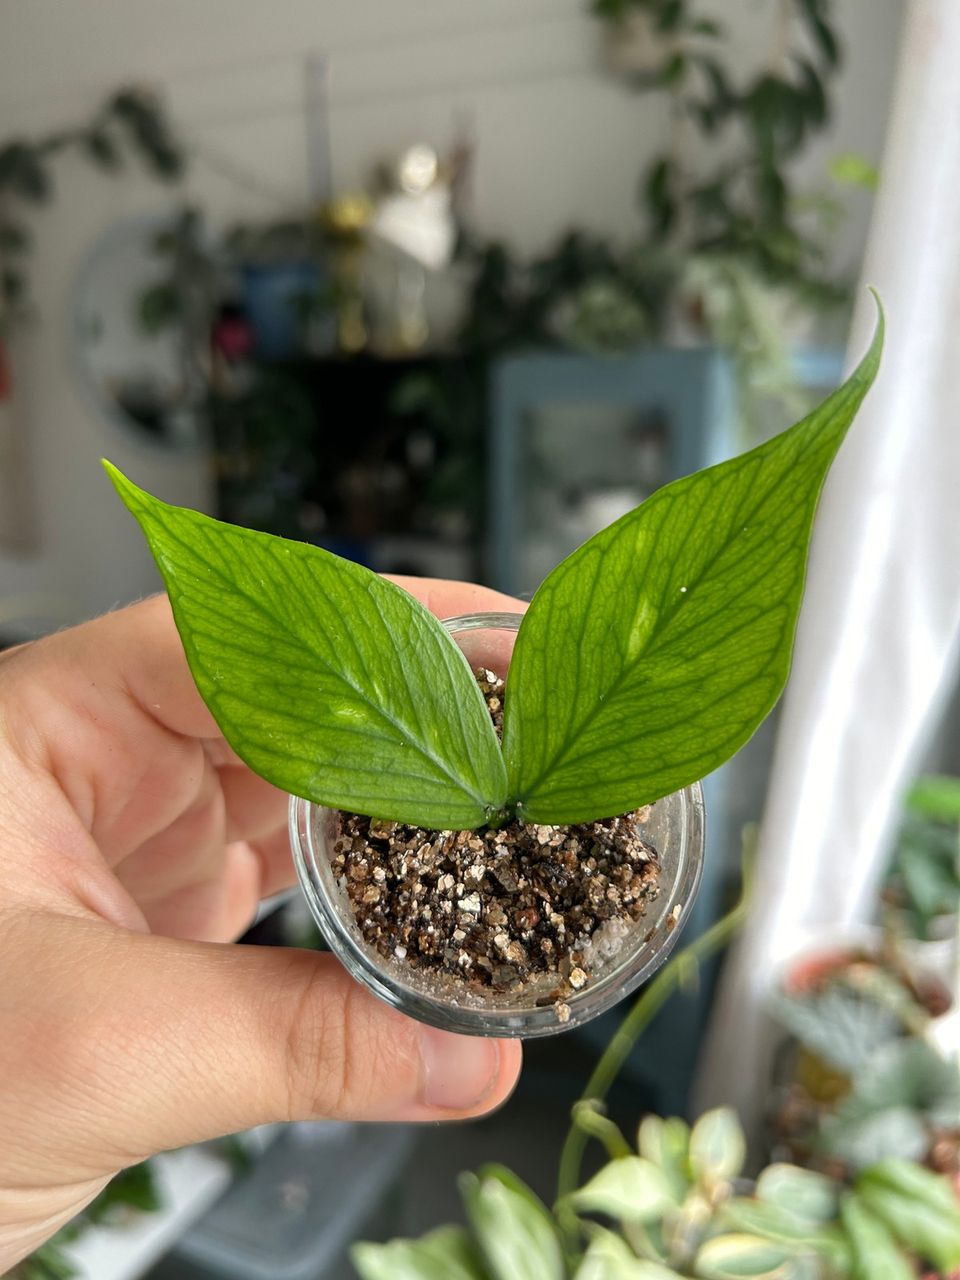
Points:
x=459, y=1071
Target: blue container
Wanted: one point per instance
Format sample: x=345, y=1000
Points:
x=273, y=294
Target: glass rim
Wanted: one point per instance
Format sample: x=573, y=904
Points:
x=651, y=941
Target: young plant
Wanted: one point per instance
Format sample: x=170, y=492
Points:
x=646, y=659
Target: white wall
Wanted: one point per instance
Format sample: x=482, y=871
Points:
x=559, y=143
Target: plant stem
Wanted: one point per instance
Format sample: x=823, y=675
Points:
x=673, y=975
x=588, y=1117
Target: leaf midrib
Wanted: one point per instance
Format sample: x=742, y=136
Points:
x=597, y=707
x=364, y=698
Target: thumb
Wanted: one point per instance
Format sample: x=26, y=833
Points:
x=165, y=1043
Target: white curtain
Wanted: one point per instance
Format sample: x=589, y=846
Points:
x=878, y=640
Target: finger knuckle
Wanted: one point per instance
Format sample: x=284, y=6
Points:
x=344, y=1057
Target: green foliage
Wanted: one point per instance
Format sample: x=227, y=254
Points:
x=131, y=121
x=866, y=1082
x=924, y=1228
x=809, y=1196
x=924, y=878
x=843, y=1027
x=514, y=1229
x=904, y=1091
x=631, y=1189
x=609, y=1257
x=646, y=658
x=445, y=1254
x=325, y=678
x=745, y=205
x=679, y=1209
x=876, y=1254
x=717, y=1148
x=796, y=1225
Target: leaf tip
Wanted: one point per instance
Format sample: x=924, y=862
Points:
x=124, y=487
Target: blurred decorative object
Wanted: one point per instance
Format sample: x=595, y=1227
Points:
x=140, y=344
x=131, y=121
x=414, y=218
x=577, y=440
x=293, y=1217
x=346, y=221
x=277, y=298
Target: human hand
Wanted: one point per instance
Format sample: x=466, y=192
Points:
x=133, y=846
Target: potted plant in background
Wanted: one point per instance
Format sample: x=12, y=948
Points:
x=921, y=897
x=860, y=1079
x=866, y=1070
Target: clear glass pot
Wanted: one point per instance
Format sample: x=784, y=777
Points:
x=675, y=829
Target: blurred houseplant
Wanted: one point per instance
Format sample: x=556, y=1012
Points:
x=726, y=243
x=681, y=1209
x=922, y=893
x=131, y=122
x=729, y=242
x=859, y=1078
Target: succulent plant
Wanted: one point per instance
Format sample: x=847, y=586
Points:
x=682, y=1211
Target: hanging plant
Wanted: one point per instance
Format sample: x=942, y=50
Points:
x=130, y=123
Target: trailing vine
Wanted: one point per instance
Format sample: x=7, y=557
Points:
x=130, y=122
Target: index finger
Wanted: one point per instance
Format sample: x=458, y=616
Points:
x=138, y=649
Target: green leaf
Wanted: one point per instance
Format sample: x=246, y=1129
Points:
x=905, y=1087
x=810, y=1196
x=842, y=1027
x=631, y=1189
x=670, y=15
x=925, y=1230
x=444, y=1254
x=609, y=1257
x=650, y=655
x=930, y=882
x=855, y=170
x=666, y=1143
x=659, y=197
x=875, y=1252
x=861, y=1135
x=515, y=1231
x=735, y=1257
x=327, y=680
x=717, y=1146
x=912, y=1073
x=777, y=1223
x=914, y=1181
x=102, y=149
x=935, y=796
